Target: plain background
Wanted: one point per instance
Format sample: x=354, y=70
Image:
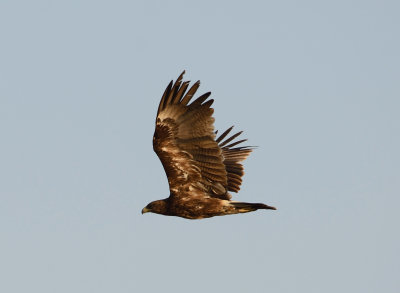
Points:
x=314, y=84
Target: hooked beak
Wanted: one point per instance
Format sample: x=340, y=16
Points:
x=145, y=210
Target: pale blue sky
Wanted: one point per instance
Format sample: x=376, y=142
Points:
x=314, y=84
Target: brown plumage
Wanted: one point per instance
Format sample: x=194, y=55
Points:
x=200, y=167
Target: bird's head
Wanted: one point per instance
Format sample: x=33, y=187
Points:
x=157, y=206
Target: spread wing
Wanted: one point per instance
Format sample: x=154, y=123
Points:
x=195, y=162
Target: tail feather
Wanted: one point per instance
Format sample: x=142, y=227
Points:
x=245, y=207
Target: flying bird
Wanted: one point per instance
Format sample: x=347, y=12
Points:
x=201, y=168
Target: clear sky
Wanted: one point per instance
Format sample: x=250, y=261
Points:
x=314, y=84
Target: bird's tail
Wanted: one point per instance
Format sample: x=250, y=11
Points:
x=245, y=207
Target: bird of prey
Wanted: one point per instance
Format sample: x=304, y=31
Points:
x=201, y=167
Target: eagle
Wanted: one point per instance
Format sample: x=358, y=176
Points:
x=201, y=168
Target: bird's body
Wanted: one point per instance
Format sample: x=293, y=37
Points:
x=201, y=168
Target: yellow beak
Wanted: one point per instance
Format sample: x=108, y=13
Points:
x=145, y=210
